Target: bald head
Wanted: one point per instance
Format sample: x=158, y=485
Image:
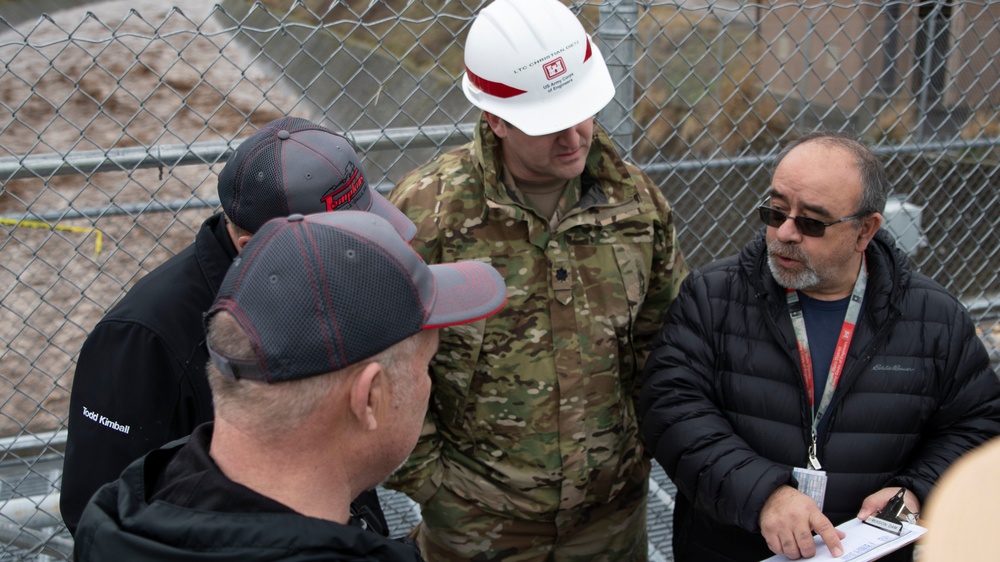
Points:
x=874, y=180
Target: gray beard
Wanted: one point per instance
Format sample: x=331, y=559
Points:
x=803, y=280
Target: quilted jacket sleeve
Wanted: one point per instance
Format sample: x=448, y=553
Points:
x=685, y=429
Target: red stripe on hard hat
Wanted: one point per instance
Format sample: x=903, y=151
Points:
x=589, y=51
x=497, y=89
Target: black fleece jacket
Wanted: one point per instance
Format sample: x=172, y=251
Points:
x=140, y=378
x=175, y=504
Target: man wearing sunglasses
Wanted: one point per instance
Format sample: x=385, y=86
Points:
x=810, y=378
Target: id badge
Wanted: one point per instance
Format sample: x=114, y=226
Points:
x=811, y=483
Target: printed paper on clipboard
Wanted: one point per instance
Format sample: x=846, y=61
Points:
x=862, y=543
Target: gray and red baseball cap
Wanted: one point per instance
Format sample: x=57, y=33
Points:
x=292, y=165
x=320, y=292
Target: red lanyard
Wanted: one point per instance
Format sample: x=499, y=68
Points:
x=839, y=353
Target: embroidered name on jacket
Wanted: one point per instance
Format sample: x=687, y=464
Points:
x=881, y=367
x=103, y=420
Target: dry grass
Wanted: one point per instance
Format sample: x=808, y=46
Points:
x=899, y=118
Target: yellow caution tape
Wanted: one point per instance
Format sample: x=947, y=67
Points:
x=78, y=229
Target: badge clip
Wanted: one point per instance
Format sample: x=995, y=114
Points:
x=893, y=515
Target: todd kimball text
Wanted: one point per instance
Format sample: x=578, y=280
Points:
x=103, y=420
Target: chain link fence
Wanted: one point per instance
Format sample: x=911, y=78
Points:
x=116, y=117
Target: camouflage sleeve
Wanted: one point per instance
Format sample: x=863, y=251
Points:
x=420, y=475
x=668, y=271
x=417, y=195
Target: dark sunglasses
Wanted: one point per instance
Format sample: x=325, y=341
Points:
x=807, y=226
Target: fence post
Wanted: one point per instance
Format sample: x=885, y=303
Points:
x=617, y=33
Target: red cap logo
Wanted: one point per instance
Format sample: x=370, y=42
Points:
x=554, y=68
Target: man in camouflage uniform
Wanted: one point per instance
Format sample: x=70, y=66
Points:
x=530, y=449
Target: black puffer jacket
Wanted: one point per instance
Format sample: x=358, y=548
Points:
x=726, y=415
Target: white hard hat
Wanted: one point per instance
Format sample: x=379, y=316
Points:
x=531, y=63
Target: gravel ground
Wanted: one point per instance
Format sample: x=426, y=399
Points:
x=108, y=75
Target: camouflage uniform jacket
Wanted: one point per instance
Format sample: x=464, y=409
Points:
x=533, y=409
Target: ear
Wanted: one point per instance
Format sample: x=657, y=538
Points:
x=241, y=242
x=498, y=125
x=238, y=240
x=368, y=395
x=869, y=226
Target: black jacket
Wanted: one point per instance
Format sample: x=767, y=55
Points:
x=175, y=504
x=726, y=415
x=140, y=378
x=143, y=368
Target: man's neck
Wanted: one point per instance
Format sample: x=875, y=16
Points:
x=283, y=470
x=842, y=289
x=543, y=196
x=832, y=295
